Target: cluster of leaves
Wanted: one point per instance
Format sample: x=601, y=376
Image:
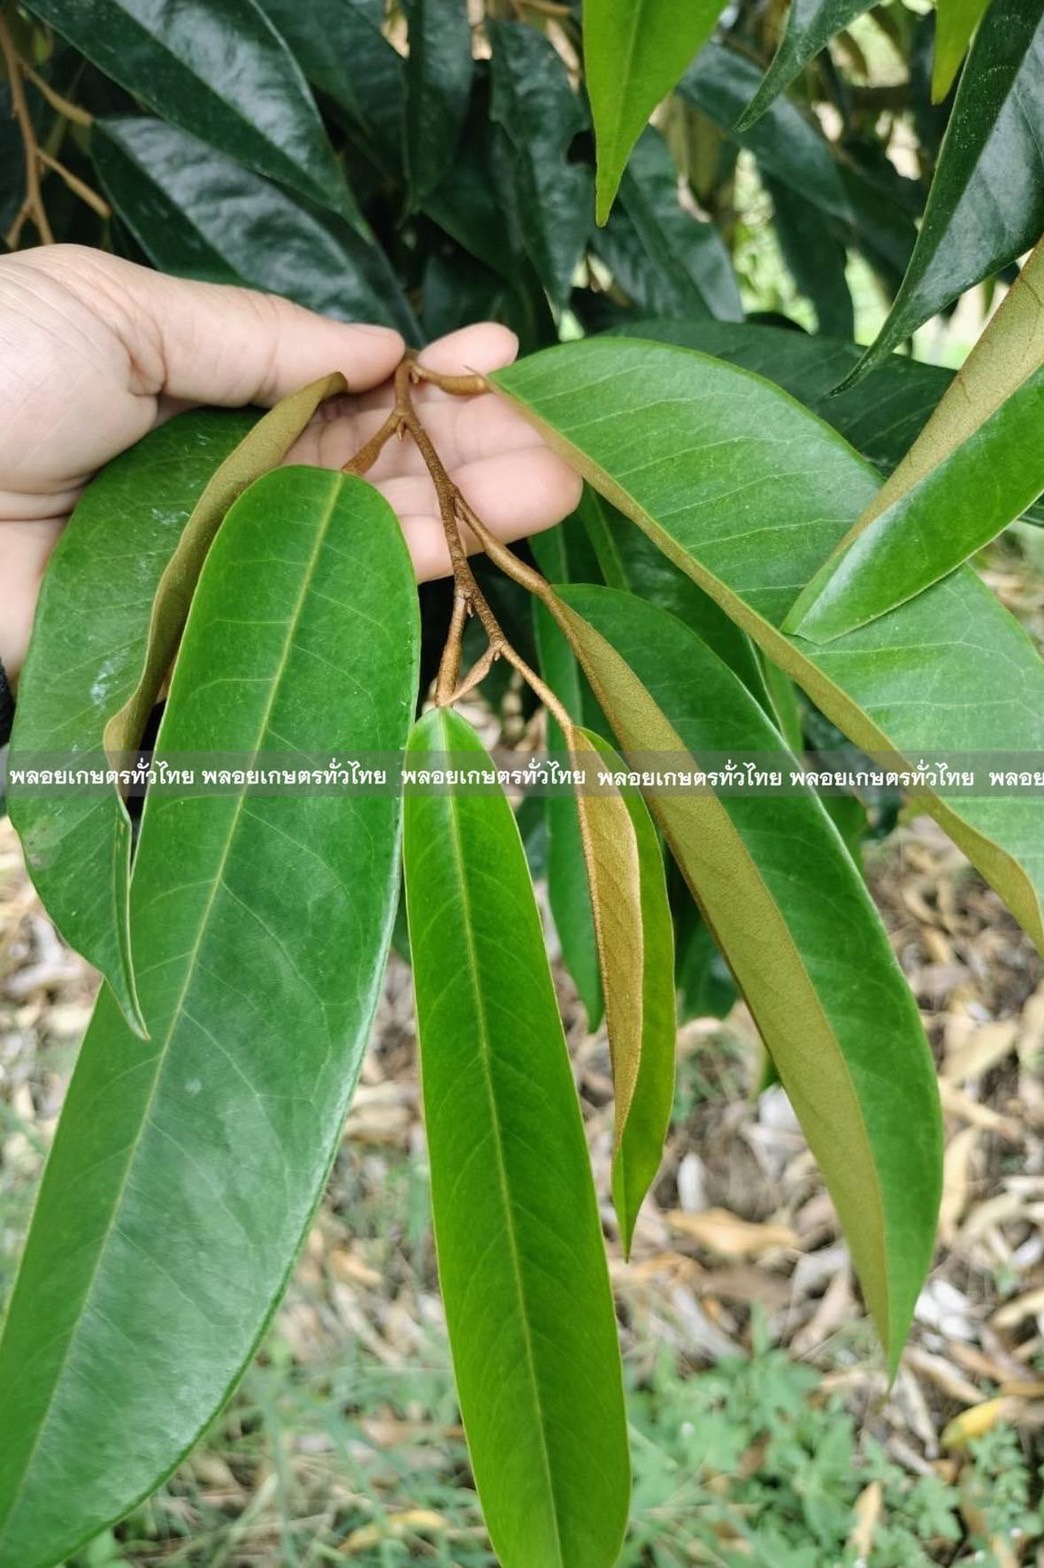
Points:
x=734, y=540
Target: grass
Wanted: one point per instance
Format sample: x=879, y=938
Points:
x=345, y=1446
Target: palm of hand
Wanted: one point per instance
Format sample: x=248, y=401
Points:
x=94, y=352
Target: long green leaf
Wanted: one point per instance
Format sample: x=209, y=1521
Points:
x=219, y=71
x=438, y=82
x=185, y=1170
x=976, y=465
x=809, y=28
x=521, y=1262
x=106, y=630
x=795, y=921
x=633, y=56
x=748, y=493
x=540, y=113
x=815, y=256
x=636, y=950
x=784, y=142
x=201, y=214
x=986, y=204
x=664, y=258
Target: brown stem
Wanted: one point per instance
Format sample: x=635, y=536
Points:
x=63, y=106
x=449, y=665
x=33, y=206
x=76, y=185
x=454, y=511
x=459, y=386
x=478, y=672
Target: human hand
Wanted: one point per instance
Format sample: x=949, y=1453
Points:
x=95, y=351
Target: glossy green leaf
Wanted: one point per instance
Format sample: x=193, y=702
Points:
x=200, y=214
x=521, y=1262
x=784, y=142
x=801, y=934
x=220, y=71
x=633, y=56
x=636, y=951
x=809, y=28
x=748, y=493
x=540, y=113
x=986, y=204
x=955, y=22
x=342, y=51
x=438, y=81
x=185, y=1170
x=105, y=634
x=815, y=256
x=664, y=258
x=976, y=465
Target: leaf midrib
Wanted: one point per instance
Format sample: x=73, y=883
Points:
x=161, y=1055
x=485, y=1055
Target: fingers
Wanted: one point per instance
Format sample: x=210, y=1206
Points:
x=516, y=494
x=212, y=343
x=484, y=347
x=464, y=430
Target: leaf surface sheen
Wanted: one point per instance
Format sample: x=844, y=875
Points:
x=185, y=1169
x=748, y=493
x=219, y=70
x=201, y=214
x=521, y=1261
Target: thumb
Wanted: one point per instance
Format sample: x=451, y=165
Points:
x=232, y=346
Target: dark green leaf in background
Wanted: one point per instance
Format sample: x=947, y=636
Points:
x=185, y=1170
x=219, y=70
x=665, y=432
x=815, y=256
x=810, y=25
x=986, y=204
x=784, y=141
x=199, y=214
x=797, y=925
x=438, y=82
x=540, y=113
x=664, y=258
x=342, y=51
x=633, y=56
x=521, y=1265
